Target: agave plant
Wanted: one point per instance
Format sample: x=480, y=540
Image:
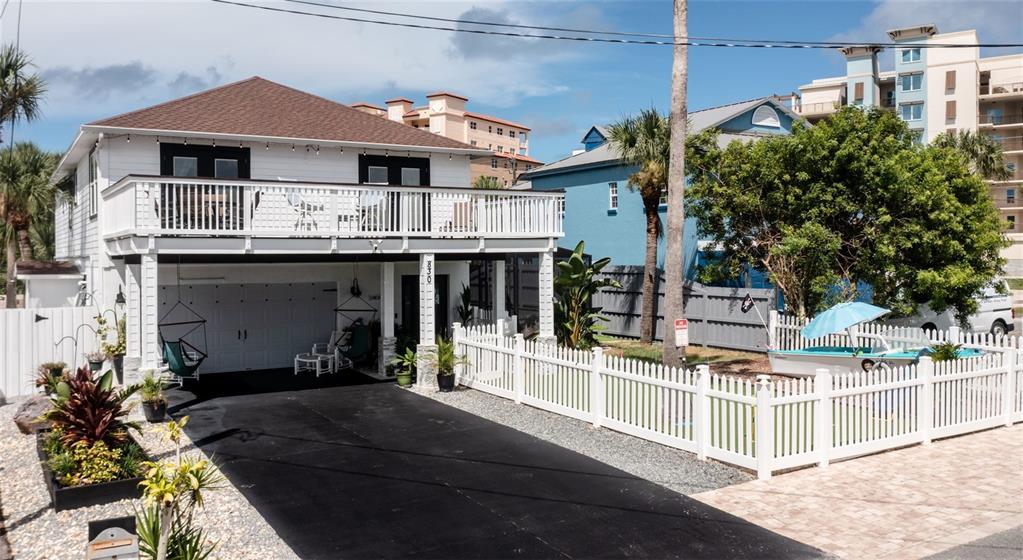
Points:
x=576, y=320
x=89, y=409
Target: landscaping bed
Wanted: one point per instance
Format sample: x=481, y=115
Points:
x=36, y=531
x=721, y=361
x=65, y=497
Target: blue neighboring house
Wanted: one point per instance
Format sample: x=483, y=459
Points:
x=602, y=210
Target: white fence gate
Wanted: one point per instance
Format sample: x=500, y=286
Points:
x=762, y=425
x=29, y=337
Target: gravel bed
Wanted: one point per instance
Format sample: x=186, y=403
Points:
x=672, y=468
x=36, y=531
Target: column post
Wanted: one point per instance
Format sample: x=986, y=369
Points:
x=925, y=372
x=597, y=387
x=519, y=368
x=132, y=320
x=149, y=301
x=426, y=350
x=499, y=270
x=1009, y=387
x=822, y=431
x=765, y=428
x=387, y=338
x=701, y=415
x=545, y=289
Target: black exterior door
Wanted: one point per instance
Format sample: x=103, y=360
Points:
x=410, y=304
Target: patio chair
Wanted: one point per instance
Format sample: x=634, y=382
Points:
x=331, y=350
x=182, y=358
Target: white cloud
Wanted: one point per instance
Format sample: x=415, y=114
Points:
x=117, y=56
x=998, y=21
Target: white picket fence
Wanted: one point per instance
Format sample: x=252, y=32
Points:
x=29, y=337
x=761, y=425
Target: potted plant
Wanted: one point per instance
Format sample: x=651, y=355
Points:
x=95, y=360
x=154, y=404
x=447, y=360
x=48, y=375
x=114, y=350
x=405, y=364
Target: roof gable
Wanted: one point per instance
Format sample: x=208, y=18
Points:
x=259, y=107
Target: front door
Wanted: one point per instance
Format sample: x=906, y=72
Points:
x=410, y=304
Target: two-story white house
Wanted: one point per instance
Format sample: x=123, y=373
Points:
x=277, y=216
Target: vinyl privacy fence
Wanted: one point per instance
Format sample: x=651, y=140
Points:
x=764, y=425
x=29, y=337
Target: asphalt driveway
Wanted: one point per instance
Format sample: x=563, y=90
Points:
x=374, y=471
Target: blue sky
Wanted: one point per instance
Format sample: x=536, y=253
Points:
x=103, y=58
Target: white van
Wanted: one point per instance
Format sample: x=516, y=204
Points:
x=994, y=314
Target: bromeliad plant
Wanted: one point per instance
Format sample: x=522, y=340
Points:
x=576, y=320
x=48, y=375
x=172, y=491
x=88, y=409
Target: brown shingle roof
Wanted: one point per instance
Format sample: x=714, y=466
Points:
x=29, y=268
x=259, y=107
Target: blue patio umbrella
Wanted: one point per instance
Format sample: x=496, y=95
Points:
x=842, y=317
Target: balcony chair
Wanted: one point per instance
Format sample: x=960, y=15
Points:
x=358, y=347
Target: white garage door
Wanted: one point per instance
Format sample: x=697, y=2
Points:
x=256, y=326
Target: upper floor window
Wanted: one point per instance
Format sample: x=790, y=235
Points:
x=612, y=192
x=500, y=149
x=1010, y=222
x=522, y=137
x=663, y=201
x=411, y=176
x=500, y=131
x=490, y=128
x=912, y=112
x=472, y=142
x=511, y=134
x=185, y=166
x=377, y=174
x=911, y=82
x=493, y=163
x=472, y=125
x=1010, y=196
x=93, y=188
x=225, y=168
x=522, y=151
x=911, y=55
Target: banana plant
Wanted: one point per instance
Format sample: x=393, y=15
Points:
x=576, y=320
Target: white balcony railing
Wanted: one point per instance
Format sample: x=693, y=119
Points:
x=169, y=206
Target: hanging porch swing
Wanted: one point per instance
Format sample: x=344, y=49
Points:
x=182, y=333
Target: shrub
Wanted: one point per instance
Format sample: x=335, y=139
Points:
x=944, y=351
x=90, y=410
x=132, y=458
x=62, y=464
x=151, y=389
x=93, y=463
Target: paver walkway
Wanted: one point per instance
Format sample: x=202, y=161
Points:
x=908, y=503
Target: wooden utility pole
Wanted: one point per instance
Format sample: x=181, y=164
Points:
x=673, y=270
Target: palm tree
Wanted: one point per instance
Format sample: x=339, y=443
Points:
x=20, y=96
x=674, y=295
x=983, y=154
x=27, y=198
x=643, y=141
x=486, y=182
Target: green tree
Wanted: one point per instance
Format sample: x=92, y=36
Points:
x=983, y=155
x=486, y=182
x=20, y=96
x=576, y=321
x=850, y=200
x=27, y=199
x=644, y=142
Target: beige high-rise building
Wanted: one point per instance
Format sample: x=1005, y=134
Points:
x=445, y=114
x=938, y=90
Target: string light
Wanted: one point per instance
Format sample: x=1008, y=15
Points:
x=186, y=141
x=128, y=141
x=157, y=139
x=214, y=142
x=293, y=147
x=267, y=145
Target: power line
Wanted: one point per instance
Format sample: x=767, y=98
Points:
x=690, y=41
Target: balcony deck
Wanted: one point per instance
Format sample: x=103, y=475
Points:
x=174, y=215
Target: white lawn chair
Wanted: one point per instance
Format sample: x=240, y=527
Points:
x=331, y=350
